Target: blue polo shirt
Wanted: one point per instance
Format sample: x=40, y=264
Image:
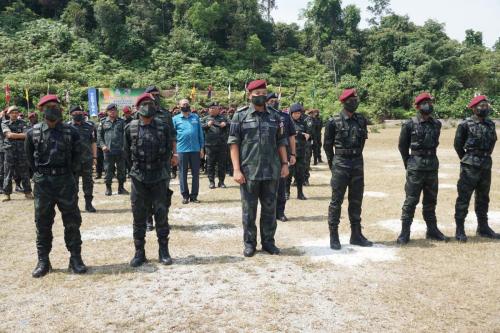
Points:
x=189, y=133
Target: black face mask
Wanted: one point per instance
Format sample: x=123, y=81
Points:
x=483, y=113
x=259, y=100
x=351, y=105
x=185, y=109
x=147, y=110
x=276, y=105
x=53, y=114
x=426, y=109
x=78, y=118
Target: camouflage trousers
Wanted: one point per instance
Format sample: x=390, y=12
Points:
x=343, y=178
x=2, y=161
x=216, y=159
x=307, y=162
x=150, y=199
x=418, y=182
x=100, y=161
x=316, y=148
x=297, y=171
x=112, y=163
x=50, y=191
x=252, y=192
x=473, y=180
x=16, y=166
x=87, y=183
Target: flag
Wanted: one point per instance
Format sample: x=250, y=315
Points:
x=229, y=91
x=209, y=94
x=279, y=92
x=176, y=89
x=27, y=96
x=245, y=91
x=193, y=93
x=66, y=97
x=7, y=94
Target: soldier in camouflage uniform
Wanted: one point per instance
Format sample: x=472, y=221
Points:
x=3, y=117
x=474, y=143
x=258, y=147
x=53, y=151
x=110, y=139
x=418, y=143
x=298, y=170
x=100, y=154
x=215, y=127
x=347, y=132
x=316, y=124
x=88, y=158
x=14, y=132
x=308, y=148
x=148, y=149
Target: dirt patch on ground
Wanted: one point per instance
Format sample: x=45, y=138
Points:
x=426, y=286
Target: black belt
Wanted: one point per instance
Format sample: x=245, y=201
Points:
x=477, y=152
x=149, y=166
x=48, y=171
x=423, y=152
x=348, y=152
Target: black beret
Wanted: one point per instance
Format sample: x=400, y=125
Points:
x=297, y=107
x=152, y=89
x=271, y=95
x=211, y=105
x=75, y=108
x=111, y=106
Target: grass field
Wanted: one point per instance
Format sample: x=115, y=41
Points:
x=423, y=287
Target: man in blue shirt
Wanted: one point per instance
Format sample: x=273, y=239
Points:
x=190, y=143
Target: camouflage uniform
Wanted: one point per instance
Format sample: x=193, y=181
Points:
x=348, y=136
x=148, y=149
x=258, y=136
x=88, y=136
x=215, y=147
x=298, y=170
x=316, y=124
x=15, y=162
x=308, y=151
x=2, y=156
x=474, y=144
x=422, y=138
x=54, y=155
x=110, y=134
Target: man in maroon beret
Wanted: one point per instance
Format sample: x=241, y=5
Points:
x=53, y=150
x=474, y=143
x=418, y=142
x=347, y=133
x=33, y=119
x=258, y=151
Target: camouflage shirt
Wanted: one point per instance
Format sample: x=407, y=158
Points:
x=301, y=127
x=110, y=134
x=347, y=136
x=215, y=135
x=422, y=137
x=15, y=146
x=88, y=136
x=258, y=136
x=475, y=141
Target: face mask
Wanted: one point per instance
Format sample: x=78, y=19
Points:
x=147, y=110
x=351, y=105
x=426, y=109
x=185, y=109
x=276, y=105
x=53, y=114
x=259, y=100
x=78, y=117
x=483, y=113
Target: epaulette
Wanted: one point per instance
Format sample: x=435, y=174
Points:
x=243, y=108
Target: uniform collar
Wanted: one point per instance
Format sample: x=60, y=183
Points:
x=421, y=119
x=252, y=109
x=344, y=115
x=152, y=123
x=476, y=119
x=58, y=127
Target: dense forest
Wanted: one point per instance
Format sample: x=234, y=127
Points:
x=68, y=46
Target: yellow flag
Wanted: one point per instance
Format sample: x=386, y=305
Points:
x=27, y=94
x=193, y=93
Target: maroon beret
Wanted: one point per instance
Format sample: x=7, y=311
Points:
x=257, y=84
x=143, y=97
x=31, y=115
x=48, y=98
x=476, y=100
x=127, y=110
x=347, y=93
x=422, y=97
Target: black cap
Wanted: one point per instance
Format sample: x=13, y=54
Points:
x=211, y=105
x=271, y=95
x=152, y=89
x=297, y=107
x=111, y=106
x=75, y=108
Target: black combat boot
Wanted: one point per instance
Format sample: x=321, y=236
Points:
x=121, y=189
x=76, y=264
x=484, y=230
x=88, y=204
x=163, y=254
x=249, y=250
x=211, y=185
x=404, y=236
x=460, y=231
x=149, y=223
x=221, y=185
x=306, y=182
x=357, y=237
x=270, y=248
x=98, y=175
x=140, y=254
x=108, y=190
x=282, y=218
x=300, y=193
x=43, y=267
x=315, y=161
x=334, y=237
x=434, y=233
